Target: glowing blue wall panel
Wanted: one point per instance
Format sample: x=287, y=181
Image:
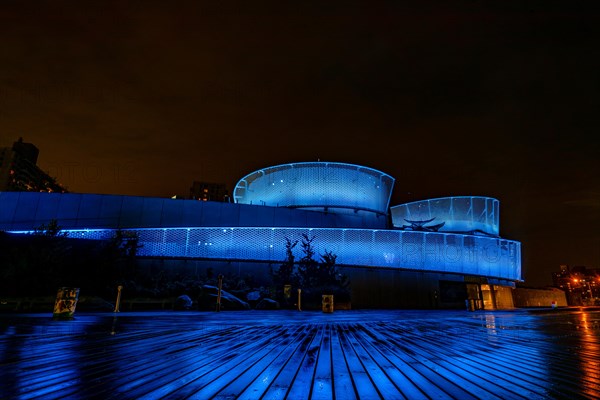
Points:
x=131, y=211
x=317, y=184
x=421, y=251
x=459, y=214
x=152, y=212
x=171, y=211
x=47, y=207
x=88, y=212
x=8, y=207
x=111, y=208
x=29, y=210
x=67, y=213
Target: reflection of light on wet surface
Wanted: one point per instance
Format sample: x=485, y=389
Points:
x=402, y=354
x=50, y=342
x=490, y=324
x=590, y=350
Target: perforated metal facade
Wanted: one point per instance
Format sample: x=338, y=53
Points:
x=424, y=251
x=318, y=185
x=353, y=201
x=459, y=214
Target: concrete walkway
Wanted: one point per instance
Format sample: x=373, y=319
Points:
x=299, y=355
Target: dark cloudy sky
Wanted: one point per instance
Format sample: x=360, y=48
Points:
x=493, y=98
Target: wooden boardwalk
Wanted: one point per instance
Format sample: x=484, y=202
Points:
x=308, y=355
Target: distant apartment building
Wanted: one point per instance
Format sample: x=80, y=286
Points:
x=19, y=171
x=581, y=284
x=206, y=191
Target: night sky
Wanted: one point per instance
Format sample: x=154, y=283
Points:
x=451, y=98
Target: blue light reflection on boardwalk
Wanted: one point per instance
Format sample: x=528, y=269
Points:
x=350, y=354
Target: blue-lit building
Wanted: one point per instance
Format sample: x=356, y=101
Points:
x=434, y=253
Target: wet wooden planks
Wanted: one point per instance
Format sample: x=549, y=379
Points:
x=417, y=359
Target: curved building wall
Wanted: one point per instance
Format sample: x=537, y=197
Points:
x=29, y=210
x=419, y=251
x=468, y=214
x=317, y=185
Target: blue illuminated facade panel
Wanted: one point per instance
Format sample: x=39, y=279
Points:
x=468, y=214
x=422, y=251
x=28, y=210
x=318, y=185
x=344, y=206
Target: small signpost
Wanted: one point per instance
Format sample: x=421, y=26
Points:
x=327, y=300
x=66, y=301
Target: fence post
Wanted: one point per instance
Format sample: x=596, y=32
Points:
x=219, y=292
x=118, y=302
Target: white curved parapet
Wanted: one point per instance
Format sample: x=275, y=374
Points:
x=327, y=186
x=465, y=214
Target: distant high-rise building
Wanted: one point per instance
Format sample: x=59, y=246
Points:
x=19, y=171
x=581, y=284
x=206, y=191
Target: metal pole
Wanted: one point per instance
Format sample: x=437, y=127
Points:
x=118, y=302
x=219, y=292
x=299, y=299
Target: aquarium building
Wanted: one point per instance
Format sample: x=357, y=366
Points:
x=435, y=253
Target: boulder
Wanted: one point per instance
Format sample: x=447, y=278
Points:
x=253, y=296
x=183, y=302
x=208, y=300
x=267, y=304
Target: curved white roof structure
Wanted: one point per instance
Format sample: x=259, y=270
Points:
x=327, y=186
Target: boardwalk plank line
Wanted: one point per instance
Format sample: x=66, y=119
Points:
x=410, y=354
x=476, y=347
x=301, y=387
x=149, y=368
x=364, y=386
x=473, y=351
x=473, y=383
x=402, y=356
x=282, y=382
x=386, y=388
x=323, y=379
x=53, y=354
x=56, y=365
x=289, y=340
x=150, y=365
x=209, y=384
x=221, y=363
x=407, y=388
x=421, y=382
x=342, y=380
x=261, y=383
x=142, y=367
x=489, y=371
x=514, y=355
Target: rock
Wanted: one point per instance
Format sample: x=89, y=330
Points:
x=183, y=302
x=253, y=296
x=208, y=300
x=267, y=304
